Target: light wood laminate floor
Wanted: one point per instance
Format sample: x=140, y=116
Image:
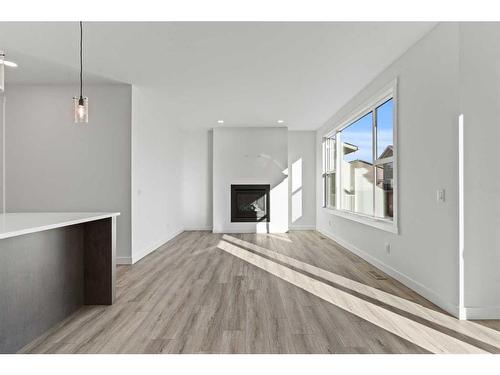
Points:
x=262, y=293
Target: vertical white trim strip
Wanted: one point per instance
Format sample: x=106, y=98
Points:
x=395, y=155
x=461, y=237
x=4, y=185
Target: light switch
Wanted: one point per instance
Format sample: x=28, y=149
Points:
x=440, y=195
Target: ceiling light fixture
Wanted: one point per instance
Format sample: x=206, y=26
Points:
x=280, y=121
x=81, y=103
x=220, y=121
x=3, y=64
x=10, y=64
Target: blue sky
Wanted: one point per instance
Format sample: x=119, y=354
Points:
x=360, y=133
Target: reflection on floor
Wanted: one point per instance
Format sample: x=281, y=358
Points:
x=258, y=293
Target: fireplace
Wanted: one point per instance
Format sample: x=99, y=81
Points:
x=250, y=203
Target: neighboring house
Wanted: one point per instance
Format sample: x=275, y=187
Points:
x=358, y=184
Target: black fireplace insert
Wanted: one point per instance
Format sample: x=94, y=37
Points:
x=250, y=203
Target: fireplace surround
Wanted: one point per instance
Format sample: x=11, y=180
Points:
x=250, y=203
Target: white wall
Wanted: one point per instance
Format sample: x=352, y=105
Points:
x=197, y=180
x=480, y=104
x=250, y=156
x=302, y=167
x=198, y=184
x=53, y=164
x=425, y=252
x=156, y=172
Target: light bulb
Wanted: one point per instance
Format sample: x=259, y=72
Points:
x=81, y=111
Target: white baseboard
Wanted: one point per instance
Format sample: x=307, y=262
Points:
x=291, y=227
x=137, y=257
x=189, y=229
x=402, y=278
x=482, y=313
x=236, y=231
x=302, y=227
x=123, y=260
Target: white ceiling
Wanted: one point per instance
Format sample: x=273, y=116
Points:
x=251, y=73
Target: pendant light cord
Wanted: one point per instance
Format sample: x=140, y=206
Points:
x=81, y=59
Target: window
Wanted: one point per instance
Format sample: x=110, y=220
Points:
x=358, y=163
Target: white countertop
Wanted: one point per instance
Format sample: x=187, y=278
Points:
x=17, y=224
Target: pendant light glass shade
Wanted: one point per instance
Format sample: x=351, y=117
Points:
x=81, y=109
x=2, y=75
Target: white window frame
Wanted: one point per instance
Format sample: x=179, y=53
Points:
x=387, y=92
x=327, y=169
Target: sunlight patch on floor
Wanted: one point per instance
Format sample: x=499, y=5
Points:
x=281, y=237
x=419, y=334
x=468, y=328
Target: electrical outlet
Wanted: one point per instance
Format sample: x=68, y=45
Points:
x=387, y=247
x=440, y=195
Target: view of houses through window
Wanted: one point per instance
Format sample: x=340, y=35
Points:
x=358, y=163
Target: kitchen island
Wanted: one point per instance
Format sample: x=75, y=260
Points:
x=50, y=265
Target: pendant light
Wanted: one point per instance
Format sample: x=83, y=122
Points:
x=81, y=103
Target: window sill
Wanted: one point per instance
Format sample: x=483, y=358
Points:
x=385, y=225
